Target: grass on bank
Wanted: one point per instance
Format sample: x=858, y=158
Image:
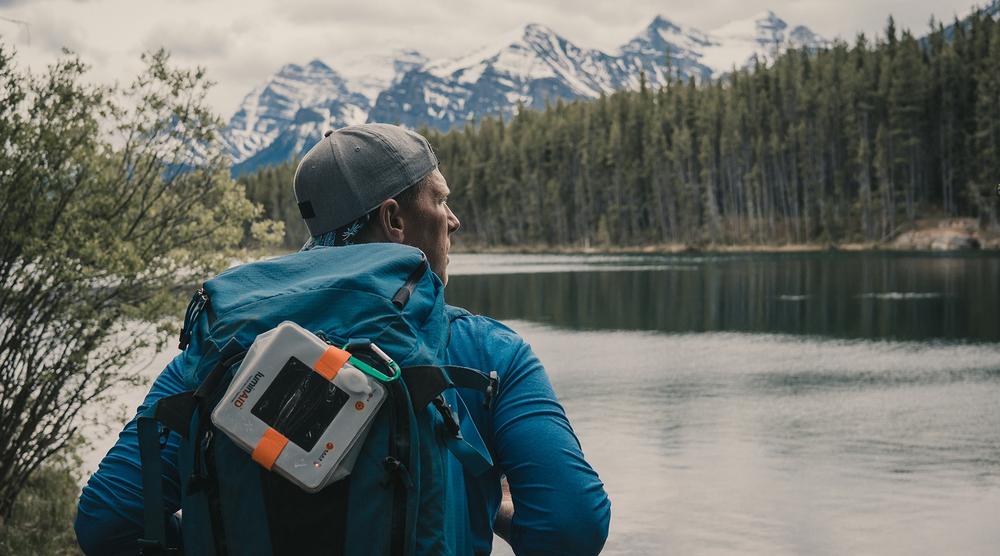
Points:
x=42, y=521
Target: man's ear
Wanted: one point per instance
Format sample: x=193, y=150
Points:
x=389, y=221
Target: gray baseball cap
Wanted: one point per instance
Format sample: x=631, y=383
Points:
x=353, y=169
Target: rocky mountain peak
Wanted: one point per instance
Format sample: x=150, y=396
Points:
x=662, y=23
x=531, y=65
x=406, y=60
x=769, y=28
x=803, y=37
x=663, y=35
x=317, y=65
x=538, y=31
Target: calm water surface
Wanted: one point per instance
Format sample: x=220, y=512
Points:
x=763, y=404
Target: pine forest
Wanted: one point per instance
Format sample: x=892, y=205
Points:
x=852, y=143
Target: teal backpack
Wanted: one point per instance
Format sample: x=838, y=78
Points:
x=390, y=503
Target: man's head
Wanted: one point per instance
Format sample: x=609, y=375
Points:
x=376, y=182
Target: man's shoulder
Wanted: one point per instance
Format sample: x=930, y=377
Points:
x=479, y=335
x=464, y=321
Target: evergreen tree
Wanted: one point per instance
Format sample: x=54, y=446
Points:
x=846, y=143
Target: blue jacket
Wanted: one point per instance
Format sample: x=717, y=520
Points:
x=560, y=503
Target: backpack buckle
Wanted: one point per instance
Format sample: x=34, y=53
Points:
x=450, y=419
x=491, y=390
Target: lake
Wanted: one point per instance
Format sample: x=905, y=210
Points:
x=822, y=403
x=841, y=403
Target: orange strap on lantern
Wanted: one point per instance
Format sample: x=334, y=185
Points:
x=331, y=362
x=269, y=448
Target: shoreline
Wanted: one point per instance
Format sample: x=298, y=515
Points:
x=676, y=249
x=680, y=249
x=929, y=235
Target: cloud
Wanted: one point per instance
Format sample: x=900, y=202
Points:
x=13, y=3
x=371, y=13
x=242, y=42
x=53, y=33
x=196, y=41
x=21, y=30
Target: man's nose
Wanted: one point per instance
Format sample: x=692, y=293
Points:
x=453, y=222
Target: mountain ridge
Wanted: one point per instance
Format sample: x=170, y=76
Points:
x=529, y=66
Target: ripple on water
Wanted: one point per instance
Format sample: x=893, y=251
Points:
x=762, y=444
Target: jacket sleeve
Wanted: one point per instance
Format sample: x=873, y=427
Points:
x=109, y=514
x=560, y=506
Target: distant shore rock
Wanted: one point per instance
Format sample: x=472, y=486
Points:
x=952, y=234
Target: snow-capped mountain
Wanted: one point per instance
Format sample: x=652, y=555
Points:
x=662, y=38
x=764, y=36
x=286, y=115
x=531, y=66
x=371, y=74
x=293, y=99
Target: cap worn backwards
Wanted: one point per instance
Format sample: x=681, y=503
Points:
x=353, y=169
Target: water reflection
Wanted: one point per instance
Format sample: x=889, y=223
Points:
x=782, y=444
x=852, y=295
x=712, y=441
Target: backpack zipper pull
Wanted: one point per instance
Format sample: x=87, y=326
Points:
x=491, y=390
x=396, y=470
x=197, y=304
x=198, y=480
x=448, y=414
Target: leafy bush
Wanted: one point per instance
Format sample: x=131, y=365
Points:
x=113, y=201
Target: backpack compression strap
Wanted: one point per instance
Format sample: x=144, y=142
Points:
x=175, y=412
x=426, y=383
x=154, y=519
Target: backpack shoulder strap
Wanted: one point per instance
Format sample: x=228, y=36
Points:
x=426, y=383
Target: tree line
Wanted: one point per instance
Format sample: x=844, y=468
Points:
x=852, y=142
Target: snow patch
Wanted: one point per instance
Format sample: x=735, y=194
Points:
x=370, y=74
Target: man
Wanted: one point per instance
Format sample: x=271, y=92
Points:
x=380, y=183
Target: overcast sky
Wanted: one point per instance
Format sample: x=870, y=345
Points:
x=242, y=42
